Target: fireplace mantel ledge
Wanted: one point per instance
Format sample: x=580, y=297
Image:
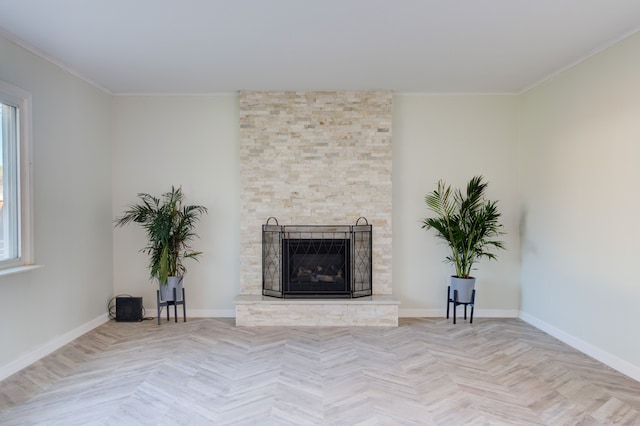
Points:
x=383, y=299
x=257, y=310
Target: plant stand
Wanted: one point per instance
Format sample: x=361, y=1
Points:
x=455, y=303
x=175, y=302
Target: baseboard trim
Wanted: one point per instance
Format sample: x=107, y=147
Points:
x=478, y=313
x=595, y=352
x=55, y=344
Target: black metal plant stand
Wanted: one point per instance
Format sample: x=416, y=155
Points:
x=455, y=303
x=175, y=302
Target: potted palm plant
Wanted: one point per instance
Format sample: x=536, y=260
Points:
x=469, y=224
x=170, y=230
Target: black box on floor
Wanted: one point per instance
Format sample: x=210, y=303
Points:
x=128, y=309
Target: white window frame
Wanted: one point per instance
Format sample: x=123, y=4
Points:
x=21, y=99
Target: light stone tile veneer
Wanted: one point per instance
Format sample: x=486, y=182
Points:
x=365, y=311
x=315, y=158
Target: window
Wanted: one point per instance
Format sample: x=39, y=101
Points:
x=16, y=248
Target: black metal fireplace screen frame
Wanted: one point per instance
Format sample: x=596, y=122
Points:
x=355, y=240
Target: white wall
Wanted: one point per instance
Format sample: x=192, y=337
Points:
x=453, y=138
x=480, y=132
x=580, y=177
x=72, y=202
x=159, y=141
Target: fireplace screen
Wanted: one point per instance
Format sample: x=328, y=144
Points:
x=309, y=261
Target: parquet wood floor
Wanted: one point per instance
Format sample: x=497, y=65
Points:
x=424, y=372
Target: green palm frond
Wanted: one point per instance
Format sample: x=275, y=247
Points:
x=170, y=228
x=467, y=222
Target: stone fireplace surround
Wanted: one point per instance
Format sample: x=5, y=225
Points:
x=315, y=158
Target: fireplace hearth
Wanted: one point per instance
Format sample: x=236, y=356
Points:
x=316, y=261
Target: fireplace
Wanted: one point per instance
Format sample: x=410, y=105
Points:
x=316, y=261
x=315, y=267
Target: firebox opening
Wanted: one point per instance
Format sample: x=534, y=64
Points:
x=316, y=267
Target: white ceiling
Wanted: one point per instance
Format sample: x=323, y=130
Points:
x=207, y=46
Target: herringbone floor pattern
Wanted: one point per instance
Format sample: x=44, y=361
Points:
x=425, y=372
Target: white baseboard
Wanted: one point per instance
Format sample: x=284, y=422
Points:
x=402, y=313
x=478, y=313
x=595, y=352
x=55, y=344
x=496, y=313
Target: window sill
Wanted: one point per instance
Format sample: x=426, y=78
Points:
x=19, y=269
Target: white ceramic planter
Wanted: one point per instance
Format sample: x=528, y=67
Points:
x=166, y=291
x=465, y=288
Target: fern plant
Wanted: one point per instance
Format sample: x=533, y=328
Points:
x=170, y=228
x=467, y=222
